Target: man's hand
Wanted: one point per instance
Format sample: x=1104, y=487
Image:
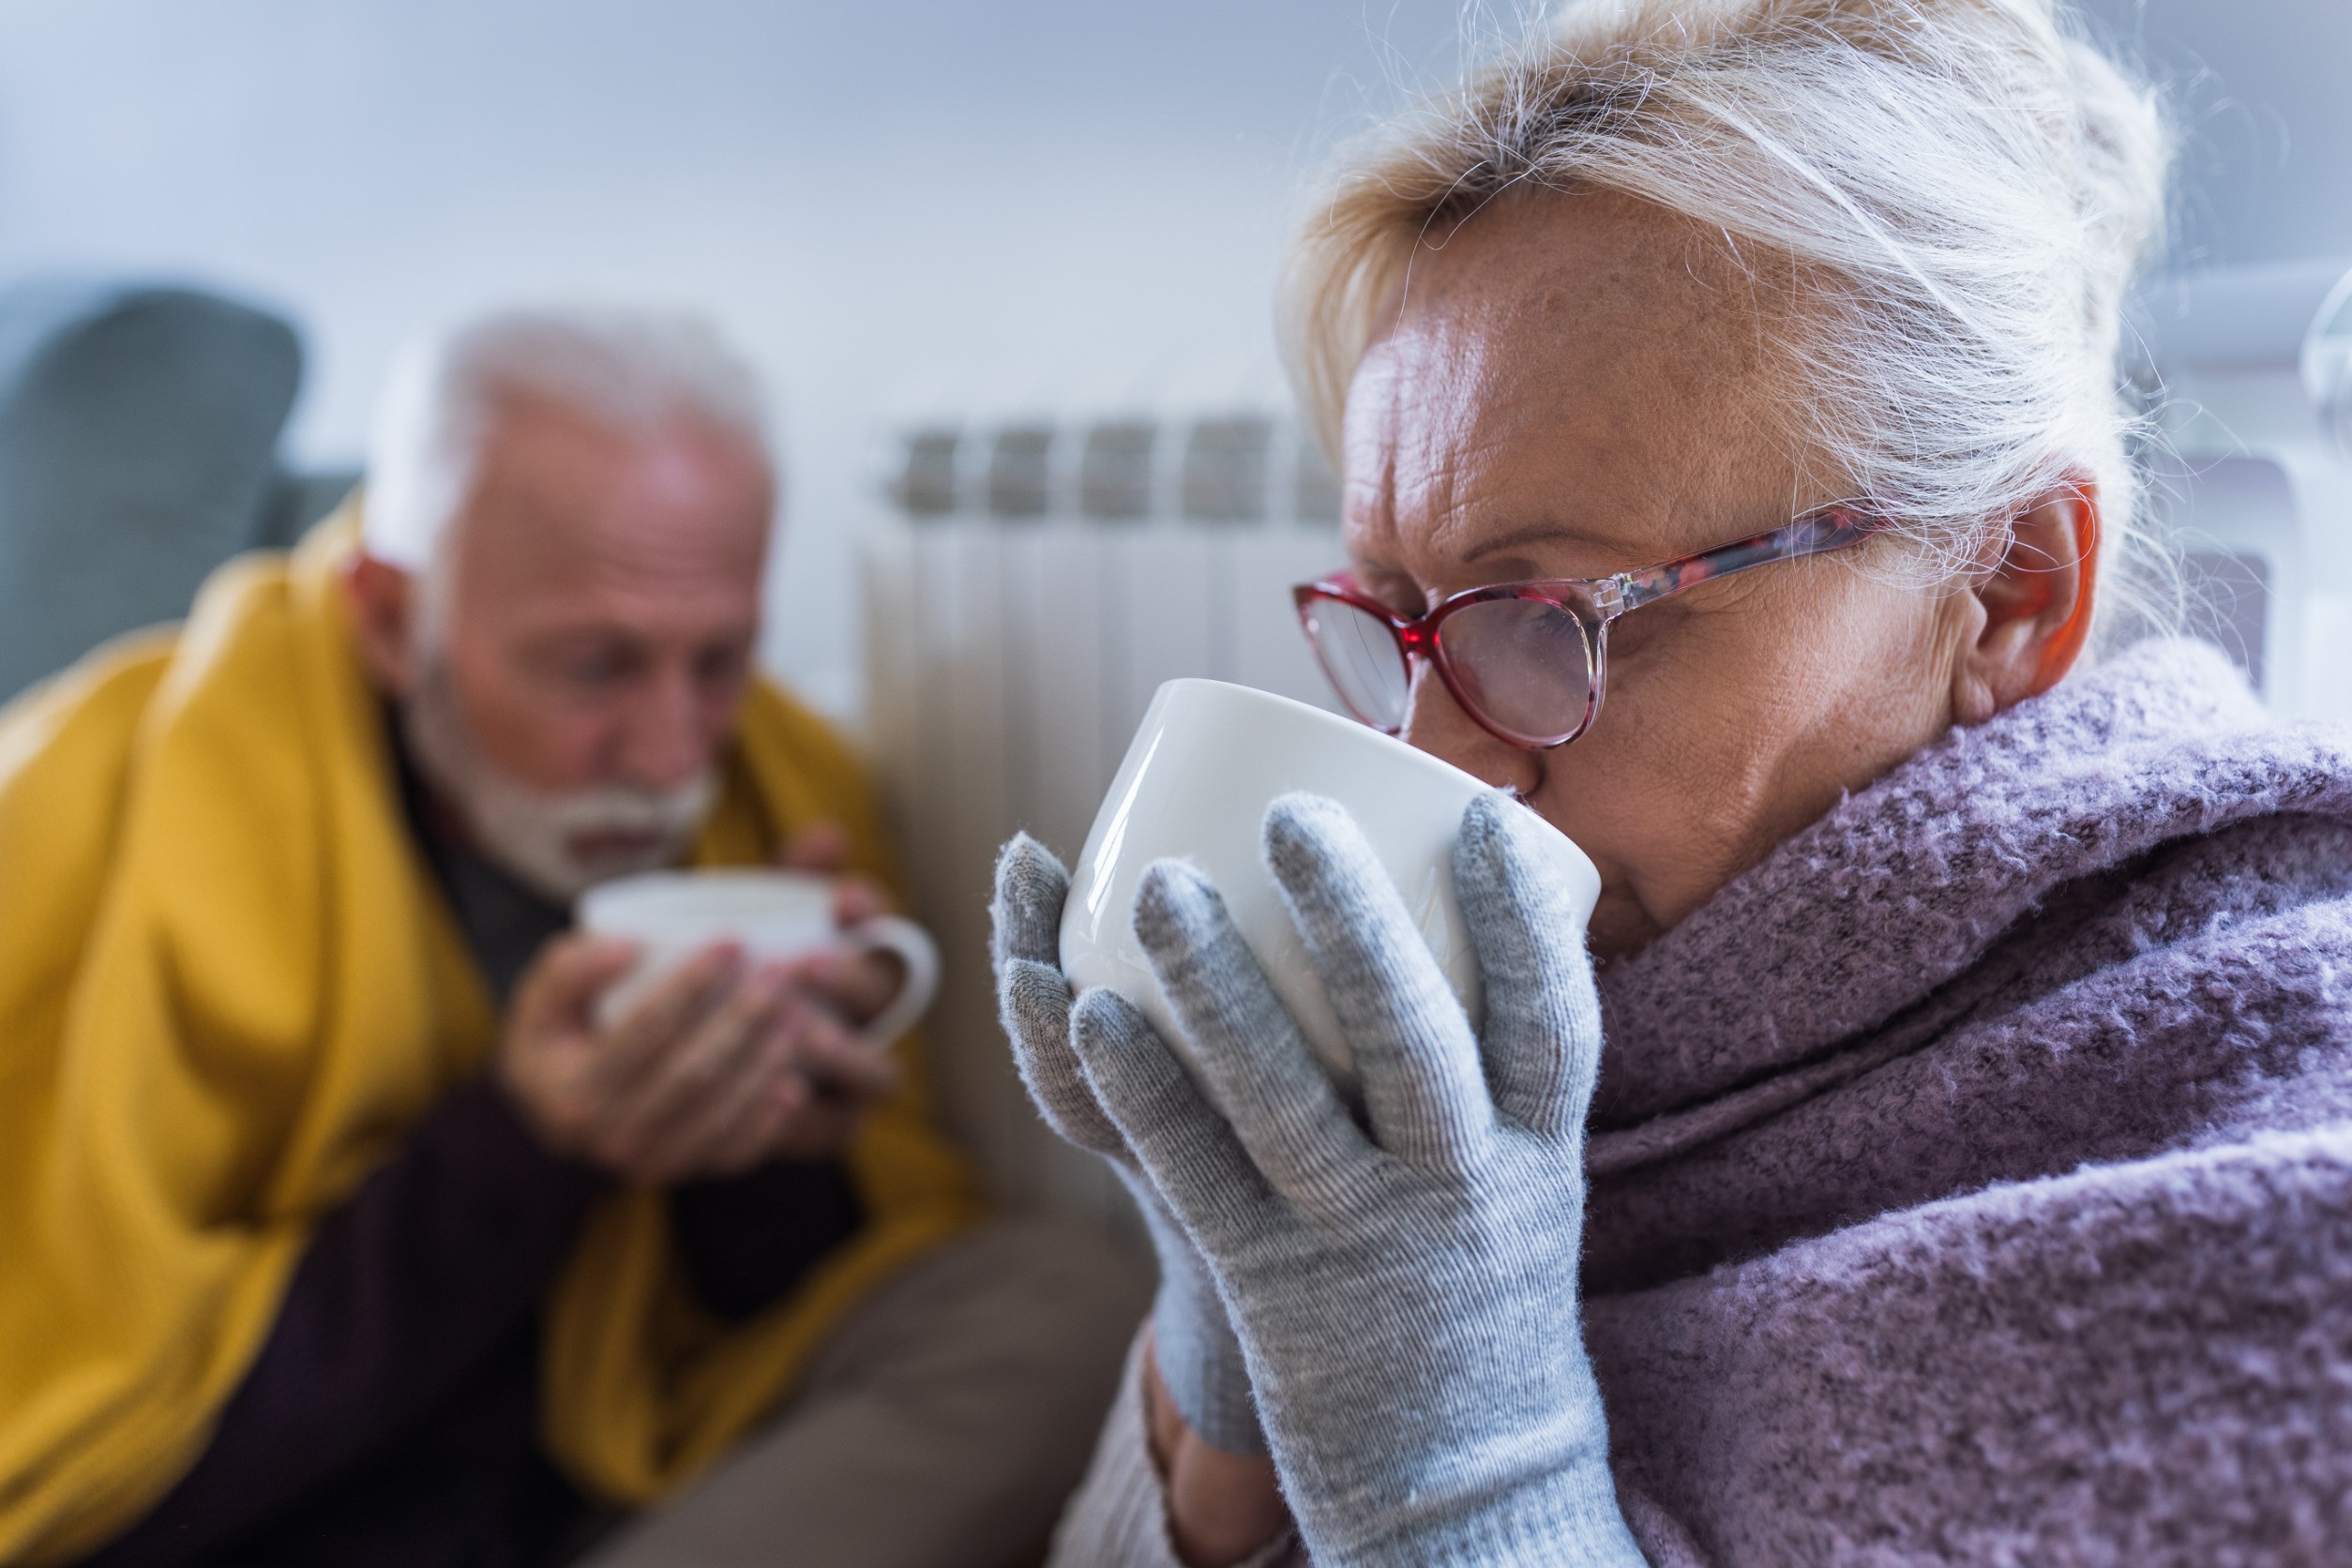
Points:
x=836, y=1077
x=724, y=1066
x=855, y=985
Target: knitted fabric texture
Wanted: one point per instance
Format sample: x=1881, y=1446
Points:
x=1985, y=1151
x=1971, y=1180
x=1200, y=1360
x=1420, y=1265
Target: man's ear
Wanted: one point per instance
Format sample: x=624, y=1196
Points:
x=383, y=600
x=2035, y=603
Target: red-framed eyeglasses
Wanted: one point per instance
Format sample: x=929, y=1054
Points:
x=1527, y=661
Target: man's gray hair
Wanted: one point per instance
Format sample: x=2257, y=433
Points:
x=1958, y=192
x=635, y=370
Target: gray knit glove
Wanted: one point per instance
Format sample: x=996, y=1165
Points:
x=1407, y=1291
x=1200, y=1360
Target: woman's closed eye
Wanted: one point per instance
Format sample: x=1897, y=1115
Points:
x=1394, y=589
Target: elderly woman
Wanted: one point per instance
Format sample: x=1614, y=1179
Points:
x=1968, y=1176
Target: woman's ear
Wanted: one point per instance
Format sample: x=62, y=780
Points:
x=2035, y=604
x=383, y=600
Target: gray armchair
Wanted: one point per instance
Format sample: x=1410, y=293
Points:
x=139, y=427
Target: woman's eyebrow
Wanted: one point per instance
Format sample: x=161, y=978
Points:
x=1537, y=534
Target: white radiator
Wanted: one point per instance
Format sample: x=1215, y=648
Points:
x=1031, y=588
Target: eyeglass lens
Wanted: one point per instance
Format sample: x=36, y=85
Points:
x=1525, y=664
x=1359, y=651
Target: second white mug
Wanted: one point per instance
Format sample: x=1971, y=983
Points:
x=773, y=914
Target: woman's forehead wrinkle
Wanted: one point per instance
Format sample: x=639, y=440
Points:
x=1368, y=463
x=1466, y=505
x=1571, y=389
x=1454, y=411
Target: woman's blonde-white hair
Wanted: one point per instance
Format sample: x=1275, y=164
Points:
x=1960, y=192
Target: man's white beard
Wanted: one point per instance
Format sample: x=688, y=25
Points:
x=559, y=845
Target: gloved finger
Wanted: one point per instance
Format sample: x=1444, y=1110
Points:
x=1424, y=1090
x=1199, y=1357
x=1033, y=1002
x=1181, y=1146
x=1025, y=914
x=1254, y=1062
x=1543, y=1041
x=1034, y=998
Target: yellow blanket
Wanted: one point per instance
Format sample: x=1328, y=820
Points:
x=228, y=984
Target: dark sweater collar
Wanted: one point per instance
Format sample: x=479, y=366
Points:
x=502, y=920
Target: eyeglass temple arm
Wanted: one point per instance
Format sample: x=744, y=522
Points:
x=1830, y=529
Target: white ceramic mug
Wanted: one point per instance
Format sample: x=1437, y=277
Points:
x=775, y=916
x=1206, y=762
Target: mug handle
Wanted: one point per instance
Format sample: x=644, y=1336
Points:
x=890, y=933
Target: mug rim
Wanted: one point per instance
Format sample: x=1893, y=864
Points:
x=1350, y=730
x=704, y=905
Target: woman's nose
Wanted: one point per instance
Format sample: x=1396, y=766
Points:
x=1436, y=723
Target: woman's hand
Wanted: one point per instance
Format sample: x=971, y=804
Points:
x=1407, y=1291
x=1197, y=1362
x=1222, y=1507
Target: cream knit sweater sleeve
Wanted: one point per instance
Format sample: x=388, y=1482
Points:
x=1119, y=1517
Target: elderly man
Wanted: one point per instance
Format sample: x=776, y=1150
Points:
x=340, y=1224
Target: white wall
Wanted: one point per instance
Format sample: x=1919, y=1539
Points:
x=890, y=207
x=893, y=206
x=2262, y=92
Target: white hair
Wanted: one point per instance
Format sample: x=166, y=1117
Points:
x=1960, y=192
x=635, y=370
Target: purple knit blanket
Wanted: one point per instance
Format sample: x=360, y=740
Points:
x=1973, y=1177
